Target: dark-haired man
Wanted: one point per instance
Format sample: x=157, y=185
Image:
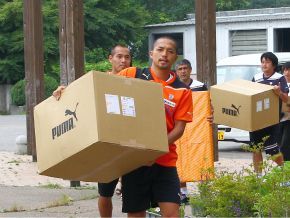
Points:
x=183, y=69
x=157, y=182
x=120, y=59
x=269, y=62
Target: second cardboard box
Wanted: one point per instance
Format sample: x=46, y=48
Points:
x=245, y=105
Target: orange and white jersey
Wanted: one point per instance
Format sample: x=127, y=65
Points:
x=177, y=103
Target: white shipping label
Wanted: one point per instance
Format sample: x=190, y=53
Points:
x=128, y=106
x=112, y=102
x=266, y=103
x=259, y=106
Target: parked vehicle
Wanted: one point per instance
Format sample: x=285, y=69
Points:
x=242, y=67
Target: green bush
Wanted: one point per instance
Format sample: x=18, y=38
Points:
x=245, y=193
x=18, y=93
x=18, y=90
x=105, y=65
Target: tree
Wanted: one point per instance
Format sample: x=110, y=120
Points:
x=108, y=23
x=231, y=5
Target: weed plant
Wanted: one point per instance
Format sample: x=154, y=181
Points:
x=244, y=193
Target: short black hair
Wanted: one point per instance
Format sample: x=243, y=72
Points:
x=286, y=66
x=166, y=37
x=270, y=56
x=119, y=45
x=182, y=62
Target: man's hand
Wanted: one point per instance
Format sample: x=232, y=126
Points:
x=57, y=92
x=210, y=119
x=277, y=89
x=282, y=96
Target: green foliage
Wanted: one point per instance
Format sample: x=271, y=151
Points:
x=11, y=42
x=245, y=193
x=18, y=93
x=106, y=23
x=231, y=5
x=105, y=65
x=18, y=90
x=4, y=112
x=51, y=186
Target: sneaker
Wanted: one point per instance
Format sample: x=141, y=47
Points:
x=184, y=200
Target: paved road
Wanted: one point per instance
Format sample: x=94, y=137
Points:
x=11, y=126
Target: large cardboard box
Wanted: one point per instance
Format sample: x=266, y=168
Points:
x=245, y=105
x=103, y=127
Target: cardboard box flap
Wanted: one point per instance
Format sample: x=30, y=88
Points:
x=244, y=87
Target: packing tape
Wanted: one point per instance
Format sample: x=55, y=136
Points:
x=125, y=78
x=132, y=143
x=242, y=87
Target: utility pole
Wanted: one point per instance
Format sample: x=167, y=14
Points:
x=34, y=66
x=205, y=27
x=71, y=44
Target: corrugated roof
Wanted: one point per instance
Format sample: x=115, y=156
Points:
x=236, y=16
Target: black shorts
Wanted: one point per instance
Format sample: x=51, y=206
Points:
x=146, y=186
x=271, y=144
x=107, y=189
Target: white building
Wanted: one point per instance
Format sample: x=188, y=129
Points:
x=237, y=32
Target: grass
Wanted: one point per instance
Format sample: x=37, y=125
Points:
x=88, y=197
x=17, y=162
x=51, y=186
x=64, y=200
x=86, y=188
x=14, y=208
x=4, y=112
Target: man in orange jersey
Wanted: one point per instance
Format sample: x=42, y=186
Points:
x=157, y=183
x=120, y=59
x=183, y=69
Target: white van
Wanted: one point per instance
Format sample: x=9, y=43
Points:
x=242, y=67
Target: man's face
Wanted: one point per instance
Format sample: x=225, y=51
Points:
x=267, y=66
x=164, y=53
x=120, y=60
x=287, y=75
x=183, y=71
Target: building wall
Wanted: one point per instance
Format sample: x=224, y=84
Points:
x=5, y=97
x=223, y=39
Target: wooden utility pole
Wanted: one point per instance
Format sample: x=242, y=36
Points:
x=71, y=40
x=34, y=68
x=205, y=27
x=71, y=44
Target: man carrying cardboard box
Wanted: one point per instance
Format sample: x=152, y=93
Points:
x=157, y=182
x=120, y=59
x=269, y=63
x=183, y=69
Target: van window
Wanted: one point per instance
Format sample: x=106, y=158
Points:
x=227, y=73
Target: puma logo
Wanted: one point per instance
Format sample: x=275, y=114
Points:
x=69, y=112
x=237, y=109
x=231, y=111
x=147, y=76
x=190, y=113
